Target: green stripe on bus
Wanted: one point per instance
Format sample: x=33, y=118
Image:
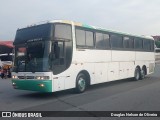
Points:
x=33, y=85
x=87, y=26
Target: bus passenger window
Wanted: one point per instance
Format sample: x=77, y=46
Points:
x=80, y=37
x=138, y=44
x=99, y=41
x=89, y=39
x=146, y=45
x=106, y=40
x=126, y=42
x=116, y=41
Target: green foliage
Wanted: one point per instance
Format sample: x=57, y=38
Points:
x=157, y=44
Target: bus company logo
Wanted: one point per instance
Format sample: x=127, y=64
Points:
x=20, y=114
x=6, y=114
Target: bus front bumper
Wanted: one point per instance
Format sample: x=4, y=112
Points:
x=33, y=85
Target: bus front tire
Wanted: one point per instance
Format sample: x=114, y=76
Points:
x=81, y=83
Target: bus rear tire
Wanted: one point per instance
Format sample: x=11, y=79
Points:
x=81, y=83
x=137, y=74
x=143, y=73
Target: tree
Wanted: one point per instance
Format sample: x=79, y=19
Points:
x=157, y=44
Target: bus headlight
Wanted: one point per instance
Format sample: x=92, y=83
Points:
x=41, y=85
x=42, y=77
x=14, y=77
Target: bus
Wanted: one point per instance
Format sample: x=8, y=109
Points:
x=5, y=64
x=157, y=50
x=157, y=55
x=61, y=54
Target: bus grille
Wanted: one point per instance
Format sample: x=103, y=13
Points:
x=26, y=77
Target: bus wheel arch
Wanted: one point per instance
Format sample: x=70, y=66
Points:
x=82, y=81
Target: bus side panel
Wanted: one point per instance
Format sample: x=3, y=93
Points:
x=147, y=59
x=122, y=65
x=58, y=83
x=130, y=69
x=126, y=70
x=70, y=82
x=101, y=70
x=74, y=70
x=123, y=56
x=113, y=71
x=145, y=56
x=95, y=62
x=103, y=58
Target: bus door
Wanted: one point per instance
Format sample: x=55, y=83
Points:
x=61, y=52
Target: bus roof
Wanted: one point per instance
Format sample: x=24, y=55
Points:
x=90, y=27
x=6, y=47
x=99, y=28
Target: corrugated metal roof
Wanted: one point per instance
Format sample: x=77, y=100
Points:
x=6, y=47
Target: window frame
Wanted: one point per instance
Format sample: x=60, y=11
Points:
x=110, y=46
x=150, y=44
x=85, y=30
x=116, y=48
x=138, y=48
x=103, y=34
x=61, y=39
x=129, y=47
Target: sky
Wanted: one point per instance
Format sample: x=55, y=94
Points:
x=139, y=17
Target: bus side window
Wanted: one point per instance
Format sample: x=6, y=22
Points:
x=128, y=42
x=138, y=44
x=58, y=53
x=56, y=50
x=116, y=41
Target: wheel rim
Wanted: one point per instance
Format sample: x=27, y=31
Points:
x=137, y=75
x=142, y=74
x=81, y=84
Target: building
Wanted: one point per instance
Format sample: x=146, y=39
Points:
x=6, y=52
x=6, y=47
x=156, y=38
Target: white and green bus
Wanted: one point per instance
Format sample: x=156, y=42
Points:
x=60, y=55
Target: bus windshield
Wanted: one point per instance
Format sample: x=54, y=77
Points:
x=43, y=48
x=32, y=48
x=32, y=57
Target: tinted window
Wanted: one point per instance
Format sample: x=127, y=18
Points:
x=6, y=57
x=138, y=43
x=128, y=42
x=147, y=45
x=40, y=32
x=84, y=38
x=152, y=45
x=63, y=31
x=116, y=41
x=89, y=38
x=106, y=40
x=80, y=37
x=61, y=49
x=102, y=41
